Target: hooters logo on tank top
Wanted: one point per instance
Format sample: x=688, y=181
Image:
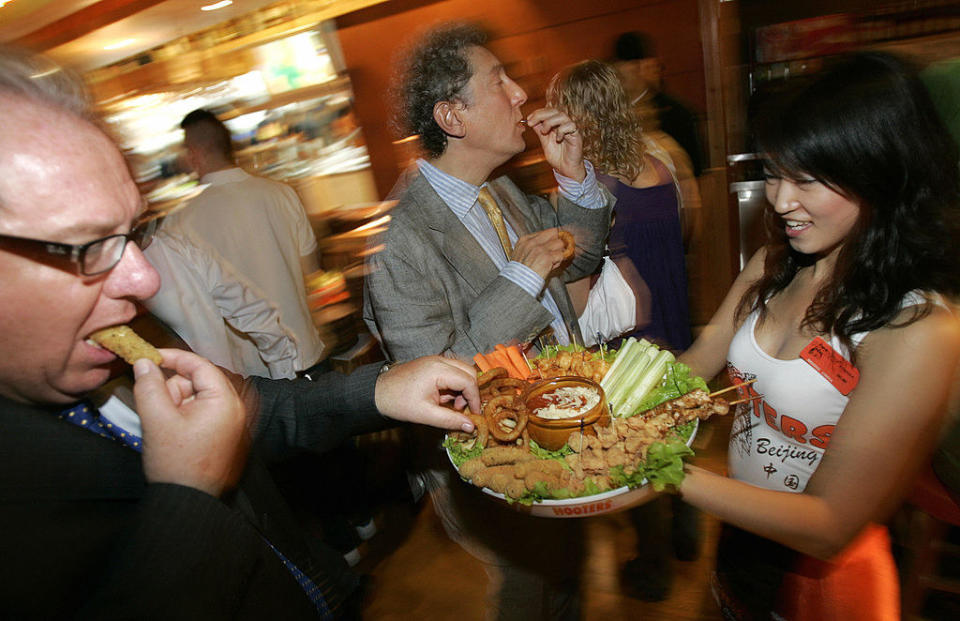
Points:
x=778, y=450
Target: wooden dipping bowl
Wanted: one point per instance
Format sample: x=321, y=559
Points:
x=551, y=433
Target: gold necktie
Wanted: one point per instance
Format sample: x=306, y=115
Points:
x=490, y=206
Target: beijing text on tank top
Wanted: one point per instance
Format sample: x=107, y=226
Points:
x=777, y=441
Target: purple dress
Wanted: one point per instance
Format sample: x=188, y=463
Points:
x=647, y=230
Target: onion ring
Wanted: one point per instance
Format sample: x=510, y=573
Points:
x=568, y=245
x=497, y=385
x=503, y=408
x=489, y=375
x=497, y=402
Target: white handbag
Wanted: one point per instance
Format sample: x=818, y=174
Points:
x=611, y=308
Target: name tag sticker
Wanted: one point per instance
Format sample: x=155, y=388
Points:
x=831, y=365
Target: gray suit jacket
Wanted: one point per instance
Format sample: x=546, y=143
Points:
x=431, y=288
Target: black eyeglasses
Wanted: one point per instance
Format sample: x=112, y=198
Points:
x=95, y=257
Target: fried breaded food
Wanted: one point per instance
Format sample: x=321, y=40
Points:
x=471, y=467
x=126, y=343
x=495, y=477
x=555, y=482
x=501, y=455
x=544, y=466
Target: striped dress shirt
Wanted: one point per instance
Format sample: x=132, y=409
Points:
x=461, y=197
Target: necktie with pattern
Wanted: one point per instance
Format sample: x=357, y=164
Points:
x=492, y=209
x=84, y=414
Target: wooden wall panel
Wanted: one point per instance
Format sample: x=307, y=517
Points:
x=534, y=38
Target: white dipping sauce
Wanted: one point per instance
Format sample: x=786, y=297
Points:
x=567, y=402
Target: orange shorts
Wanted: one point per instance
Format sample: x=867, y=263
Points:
x=860, y=583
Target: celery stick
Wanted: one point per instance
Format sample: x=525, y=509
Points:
x=635, y=371
x=651, y=378
x=631, y=361
x=621, y=362
x=612, y=372
x=636, y=356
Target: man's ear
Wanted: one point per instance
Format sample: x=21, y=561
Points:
x=447, y=116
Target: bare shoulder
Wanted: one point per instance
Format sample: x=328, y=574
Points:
x=929, y=342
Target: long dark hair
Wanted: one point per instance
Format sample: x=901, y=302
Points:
x=867, y=129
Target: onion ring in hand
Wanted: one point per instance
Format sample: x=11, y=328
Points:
x=568, y=245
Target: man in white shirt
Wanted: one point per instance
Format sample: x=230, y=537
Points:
x=209, y=306
x=257, y=228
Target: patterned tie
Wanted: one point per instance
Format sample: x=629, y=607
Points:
x=490, y=206
x=84, y=414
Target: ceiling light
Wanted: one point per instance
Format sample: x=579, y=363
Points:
x=4, y=3
x=215, y=5
x=119, y=44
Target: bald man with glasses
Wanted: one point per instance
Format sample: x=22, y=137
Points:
x=177, y=519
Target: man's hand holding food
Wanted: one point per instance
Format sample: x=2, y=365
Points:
x=543, y=251
x=561, y=142
x=194, y=423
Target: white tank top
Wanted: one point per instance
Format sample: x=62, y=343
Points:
x=777, y=441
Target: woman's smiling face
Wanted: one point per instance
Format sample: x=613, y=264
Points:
x=816, y=218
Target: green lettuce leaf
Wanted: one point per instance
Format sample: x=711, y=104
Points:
x=458, y=454
x=543, y=453
x=664, y=464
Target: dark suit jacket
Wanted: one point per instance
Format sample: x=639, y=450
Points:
x=83, y=534
x=432, y=289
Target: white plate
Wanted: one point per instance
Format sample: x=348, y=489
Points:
x=583, y=506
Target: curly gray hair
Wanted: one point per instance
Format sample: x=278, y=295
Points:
x=436, y=69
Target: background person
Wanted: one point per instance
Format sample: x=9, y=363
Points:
x=207, y=304
x=862, y=252
x=179, y=523
x=257, y=226
x=642, y=72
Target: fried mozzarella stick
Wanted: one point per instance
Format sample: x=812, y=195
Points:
x=126, y=343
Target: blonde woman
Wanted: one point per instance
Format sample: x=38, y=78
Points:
x=653, y=190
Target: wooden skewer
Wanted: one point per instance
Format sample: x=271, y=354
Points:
x=745, y=400
x=732, y=387
x=537, y=367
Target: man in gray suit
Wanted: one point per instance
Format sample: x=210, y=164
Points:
x=469, y=262
x=443, y=282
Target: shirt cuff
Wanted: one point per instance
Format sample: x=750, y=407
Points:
x=584, y=193
x=524, y=277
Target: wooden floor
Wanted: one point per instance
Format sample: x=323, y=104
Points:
x=419, y=573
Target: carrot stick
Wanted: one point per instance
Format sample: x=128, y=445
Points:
x=513, y=352
x=481, y=362
x=502, y=360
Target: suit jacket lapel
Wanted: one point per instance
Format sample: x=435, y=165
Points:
x=459, y=247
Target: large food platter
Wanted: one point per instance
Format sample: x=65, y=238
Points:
x=575, y=432
x=582, y=506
